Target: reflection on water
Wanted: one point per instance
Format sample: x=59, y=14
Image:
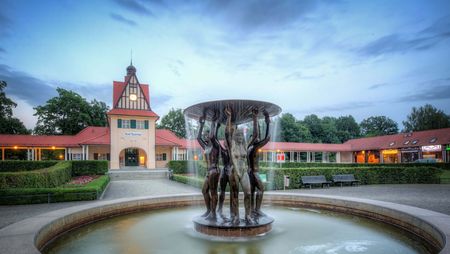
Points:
x=295, y=231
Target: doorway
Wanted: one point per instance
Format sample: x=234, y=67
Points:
x=131, y=157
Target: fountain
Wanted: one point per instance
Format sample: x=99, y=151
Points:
x=305, y=223
x=240, y=166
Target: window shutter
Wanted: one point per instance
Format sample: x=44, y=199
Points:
x=119, y=123
x=133, y=124
x=146, y=124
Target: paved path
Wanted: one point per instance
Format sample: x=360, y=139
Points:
x=432, y=197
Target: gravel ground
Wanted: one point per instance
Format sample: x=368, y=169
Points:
x=429, y=196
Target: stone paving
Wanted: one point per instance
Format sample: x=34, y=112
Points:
x=433, y=197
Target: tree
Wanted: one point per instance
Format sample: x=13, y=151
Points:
x=329, y=132
x=378, y=126
x=8, y=123
x=347, y=128
x=426, y=118
x=69, y=113
x=314, y=124
x=292, y=130
x=174, y=121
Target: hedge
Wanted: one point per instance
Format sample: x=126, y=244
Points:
x=90, y=167
x=52, y=176
x=341, y=165
x=184, y=167
x=192, y=181
x=366, y=175
x=90, y=191
x=15, y=166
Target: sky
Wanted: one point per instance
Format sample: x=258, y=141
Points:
x=323, y=57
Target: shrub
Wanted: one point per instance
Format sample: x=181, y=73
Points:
x=53, y=176
x=16, y=166
x=367, y=175
x=351, y=165
x=91, y=191
x=185, y=167
x=193, y=181
x=91, y=167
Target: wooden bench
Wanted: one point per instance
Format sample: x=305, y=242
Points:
x=314, y=180
x=347, y=178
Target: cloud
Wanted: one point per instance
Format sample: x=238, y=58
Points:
x=338, y=107
x=299, y=75
x=248, y=16
x=5, y=25
x=376, y=86
x=135, y=6
x=123, y=20
x=23, y=86
x=437, y=89
x=402, y=43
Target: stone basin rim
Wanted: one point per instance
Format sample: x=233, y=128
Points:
x=32, y=234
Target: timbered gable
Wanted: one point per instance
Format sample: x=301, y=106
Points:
x=132, y=96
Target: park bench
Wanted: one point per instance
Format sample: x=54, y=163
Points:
x=347, y=178
x=314, y=180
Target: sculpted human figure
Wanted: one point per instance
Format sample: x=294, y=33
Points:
x=253, y=162
x=212, y=151
x=224, y=177
x=239, y=169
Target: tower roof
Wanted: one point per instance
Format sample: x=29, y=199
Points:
x=131, y=70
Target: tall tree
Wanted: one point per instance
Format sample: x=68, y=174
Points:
x=426, y=118
x=69, y=113
x=174, y=121
x=292, y=130
x=329, y=133
x=8, y=123
x=347, y=128
x=378, y=126
x=314, y=124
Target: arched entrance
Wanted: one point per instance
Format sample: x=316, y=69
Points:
x=132, y=157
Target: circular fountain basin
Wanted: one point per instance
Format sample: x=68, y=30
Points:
x=34, y=234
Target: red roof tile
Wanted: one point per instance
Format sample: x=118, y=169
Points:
x=313, y=147
x=132, y=112
x=401, y=140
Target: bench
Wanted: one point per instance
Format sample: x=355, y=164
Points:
x=348, y=178
x=314, y=180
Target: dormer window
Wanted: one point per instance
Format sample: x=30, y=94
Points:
x=415, y=141
x=406, y=142
x=392, y=144
x=433, y=140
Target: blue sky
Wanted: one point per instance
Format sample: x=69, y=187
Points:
x=329, y=58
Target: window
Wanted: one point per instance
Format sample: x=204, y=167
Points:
x=406, y=142
x=392, y=144
x=76, y=156
x=140, y=124
x=415, y=141
x=433, y=140
x=161, y=156
x=126, y=124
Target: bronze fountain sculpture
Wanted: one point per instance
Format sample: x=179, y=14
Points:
x=240, y=166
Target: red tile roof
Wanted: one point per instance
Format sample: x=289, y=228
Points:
x=37, y=141
x=313, y=147
x=401, y=140
x=132, y=112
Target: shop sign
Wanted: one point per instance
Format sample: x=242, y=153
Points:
x=133, y=134
x=434, y=148
x=280, y=157
x=390, y=151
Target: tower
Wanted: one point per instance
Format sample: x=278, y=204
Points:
x=132, y=124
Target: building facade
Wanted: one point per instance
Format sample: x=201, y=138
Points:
x=132, y=140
